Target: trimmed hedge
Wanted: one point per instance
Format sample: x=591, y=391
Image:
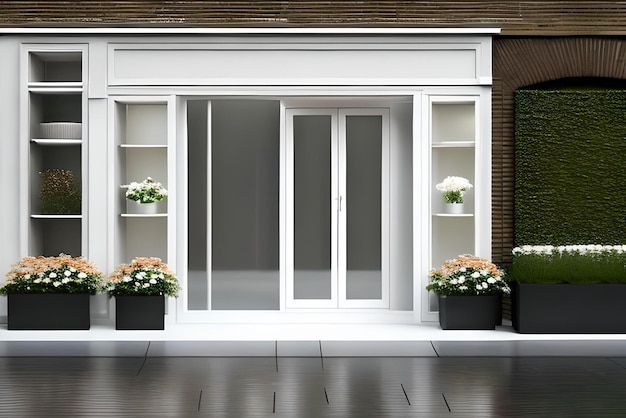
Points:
x=570, y=167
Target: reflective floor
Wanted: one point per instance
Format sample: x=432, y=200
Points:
x=312, y=386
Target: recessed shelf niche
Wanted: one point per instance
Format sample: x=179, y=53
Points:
x=54, y=95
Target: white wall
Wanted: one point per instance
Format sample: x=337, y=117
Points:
x=9, y=161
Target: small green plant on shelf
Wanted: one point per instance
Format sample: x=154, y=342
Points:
x=62, y=274
x=147, y=191
x=60, y=193
x=147, y=276
x=468, y=275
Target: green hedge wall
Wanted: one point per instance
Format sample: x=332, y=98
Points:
x=570, y=167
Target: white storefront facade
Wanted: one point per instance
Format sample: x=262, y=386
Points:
x=300, y=163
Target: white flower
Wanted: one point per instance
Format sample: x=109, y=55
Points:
x=37, y=280
x=485, y=285
x=476, y=275
x=82, y=275
x=148, y=191
x=153, y=281
x=146, y=284
x=52, y=275
x=46, y=280
x=454, y=184
x=462, y=269
x=56, y=284
x=65, y=280
x=484, y=272
x=491, y=280
x=126, y=279
x=462, y=287
x=27, y=276
x=67, y=273
x=479, y=287
x=461, y=279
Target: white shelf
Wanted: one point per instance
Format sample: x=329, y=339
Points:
x=55, y=84
x=144, y=215
x=454, y=215
x=55, y=88
x=77, y=216
x=57, y=141
x=143, y=146
x=454, y=144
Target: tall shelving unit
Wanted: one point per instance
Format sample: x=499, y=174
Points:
x=454, y=134
x=53, y=92
x=142, y=136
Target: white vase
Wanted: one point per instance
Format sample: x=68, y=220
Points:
x=136, y=208
x=454, y=208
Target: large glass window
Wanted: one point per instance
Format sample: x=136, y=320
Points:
x=233, y=204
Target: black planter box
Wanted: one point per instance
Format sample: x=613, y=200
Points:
x=48, y=311
x=470, y=312
x=133, y=312
x=569, y=308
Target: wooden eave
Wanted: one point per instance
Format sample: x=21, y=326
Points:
x=513, y=17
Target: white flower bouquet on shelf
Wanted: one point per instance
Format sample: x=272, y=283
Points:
x=453, y=188
x=147, y=191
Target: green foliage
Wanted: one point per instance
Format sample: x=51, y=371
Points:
x=453, y=197
x=570, y=159
x=60, y=193
x=569, y=264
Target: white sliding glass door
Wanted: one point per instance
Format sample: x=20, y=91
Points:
x=337, y=198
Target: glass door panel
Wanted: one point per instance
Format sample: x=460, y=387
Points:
x=311, y=138
x=312, y=209
x=363, y=202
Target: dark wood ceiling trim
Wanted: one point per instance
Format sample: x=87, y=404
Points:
x=590, y=17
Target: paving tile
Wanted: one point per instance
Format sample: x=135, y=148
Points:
x=73, y=348
x=377, y=349
x=298, y=349
x=212, y=349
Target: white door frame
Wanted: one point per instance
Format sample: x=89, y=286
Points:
x=338, y=243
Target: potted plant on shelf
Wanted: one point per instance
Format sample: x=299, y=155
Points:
x=143, y=197
x=60, y=193
x=470, y=291
x=569, y=289
x=139, y=288
x=50, y=293
x=453, y=189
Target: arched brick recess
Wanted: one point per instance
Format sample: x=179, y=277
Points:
x=519, y=62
